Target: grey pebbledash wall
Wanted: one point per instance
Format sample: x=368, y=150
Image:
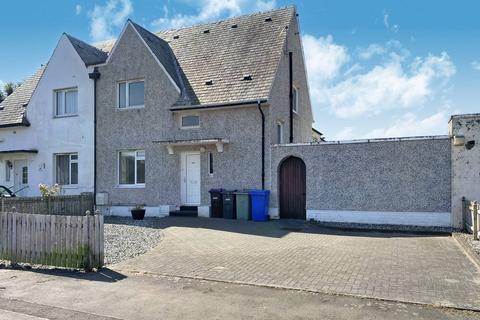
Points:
x=406, y=175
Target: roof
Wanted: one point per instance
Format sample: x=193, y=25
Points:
x=88, y=53
x=20, y=151
x=12, y=109
x=161, y=50
x=223, y=53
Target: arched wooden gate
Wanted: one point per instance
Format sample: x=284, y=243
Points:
x=292, y=189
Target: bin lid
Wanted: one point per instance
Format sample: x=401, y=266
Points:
x=228, y=191
x=215, y=190
x=244, y=191
x=260, y=192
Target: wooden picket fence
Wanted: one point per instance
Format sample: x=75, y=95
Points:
x=62, y=205
x=54, y=240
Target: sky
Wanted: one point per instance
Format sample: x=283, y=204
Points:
x=375, y=68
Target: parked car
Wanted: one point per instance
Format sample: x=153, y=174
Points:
x=6, y=192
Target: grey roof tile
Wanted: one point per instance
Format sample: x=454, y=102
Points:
x=12, y=109
x=225, y=55
x=88, y=53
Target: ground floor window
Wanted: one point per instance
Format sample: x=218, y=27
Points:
x=131, y=167
x=210, y=163
x=66, y=169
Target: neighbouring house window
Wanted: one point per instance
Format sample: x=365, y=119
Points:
x=279, y=133
x=210, y=162
x=131, y=94
x=190, y=121
x=295, y=100
x=8, y=168
x=24, y=175
x=131, y=166
x=66, y=102
x=66, y=169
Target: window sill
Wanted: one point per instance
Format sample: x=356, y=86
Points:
x=189, y=128
x=130, y=186
x=69, y=186
x=66, y=116
x=130, y=108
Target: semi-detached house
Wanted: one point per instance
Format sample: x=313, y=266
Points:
x=47, y=124
x=183, y=111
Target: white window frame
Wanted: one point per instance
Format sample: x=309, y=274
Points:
x=137, y=157
x=70, y=161
x=295, y=99
x=64, y=95
x=127, y=94
x=189, y=115
x=281, y=140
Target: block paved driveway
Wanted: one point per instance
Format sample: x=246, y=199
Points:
x=299, y=255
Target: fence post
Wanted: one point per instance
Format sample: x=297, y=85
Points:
x=474, y=212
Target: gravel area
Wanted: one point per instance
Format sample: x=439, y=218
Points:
x=126, y=238
x=473, y=244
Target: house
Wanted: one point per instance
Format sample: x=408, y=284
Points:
x=180, y=112
x=47, y=124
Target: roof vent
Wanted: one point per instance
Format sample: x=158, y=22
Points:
x=247, y=77
x=209, y=82
x=176, y=37
x=269, y=19
x=206, y=31
x=234, y=26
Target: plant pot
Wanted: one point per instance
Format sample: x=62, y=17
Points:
x=138, y=214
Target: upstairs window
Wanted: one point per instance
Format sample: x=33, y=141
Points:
x=131, y=94
x=66, y=169
x=279, y=132
x=131, y=168
x=66, y=102
x=295, y=100
x=190, y=121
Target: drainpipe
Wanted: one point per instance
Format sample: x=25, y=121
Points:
x=263, y=143
x=95, y=75
x=290, y=96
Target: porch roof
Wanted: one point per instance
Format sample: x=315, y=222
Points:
x=170, y=144
x=19, y=151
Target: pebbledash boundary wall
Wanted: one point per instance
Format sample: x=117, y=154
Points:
x=415, y=181
x=403, y=181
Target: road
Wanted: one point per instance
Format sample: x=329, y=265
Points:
x=28, y=295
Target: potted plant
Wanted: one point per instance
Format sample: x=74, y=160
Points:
x=138, y=212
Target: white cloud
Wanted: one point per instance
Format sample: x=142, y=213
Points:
x=324, y=61
x=372, y=50
x=386, y=22
x=410, y=125
x=347, y=133
x=209, y=10
x=78, y=9
x=387, y=86
x=476, y=65
x=103, y=19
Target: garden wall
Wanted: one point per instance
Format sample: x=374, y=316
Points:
x=403, y=181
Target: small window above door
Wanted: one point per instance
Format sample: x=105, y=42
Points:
x=190, y=121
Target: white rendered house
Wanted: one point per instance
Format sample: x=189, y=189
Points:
x=47, y=124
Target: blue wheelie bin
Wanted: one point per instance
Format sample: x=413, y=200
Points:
x=260, y=200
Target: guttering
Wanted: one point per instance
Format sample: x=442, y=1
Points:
x=219, y=105
x=259, y=104
x=12, y=125
x=290, y=95
x=95, y=75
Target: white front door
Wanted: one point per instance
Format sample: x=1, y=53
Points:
x=20, y=177
x=190, y=178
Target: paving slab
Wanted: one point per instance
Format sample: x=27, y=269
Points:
x=426, y=269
